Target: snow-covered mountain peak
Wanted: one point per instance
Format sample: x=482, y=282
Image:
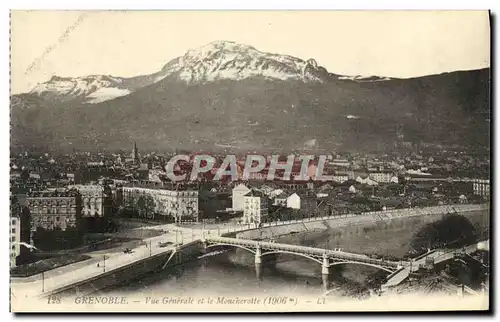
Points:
x=217, y=47
x=229, y=60
x=218, y=60
x=69, y=88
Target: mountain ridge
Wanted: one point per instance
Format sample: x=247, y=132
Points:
x=169, y=109
x=214, y=61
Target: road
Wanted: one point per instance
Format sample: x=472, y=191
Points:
x=66, y=275
x=54, y=279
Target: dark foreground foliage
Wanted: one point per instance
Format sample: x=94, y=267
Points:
x=451, y=231
x=45, y=265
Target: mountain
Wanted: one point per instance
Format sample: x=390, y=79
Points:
x=90, y=89
x=230, y=94
x=228, y=60
x=215, y=61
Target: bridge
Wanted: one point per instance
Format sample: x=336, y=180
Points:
x=432, y=257
x=324, y=257
x=80, y=272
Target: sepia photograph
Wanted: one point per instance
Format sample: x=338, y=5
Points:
x=250, y=161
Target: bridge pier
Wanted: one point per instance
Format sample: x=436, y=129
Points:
x=258, y=262
x=320, y=256
x=325, y=272
x=326, y=282
x=325, y=267
x=258, y=255
x=258, y=271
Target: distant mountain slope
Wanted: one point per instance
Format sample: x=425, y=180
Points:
x=225, y=93
x=215, y=61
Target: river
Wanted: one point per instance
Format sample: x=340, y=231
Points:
x=234, y=271
x=218, y=275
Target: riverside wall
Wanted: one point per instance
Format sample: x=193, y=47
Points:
x=109, y=279
x=374, y=232
x=383, y=233
x=370, y=218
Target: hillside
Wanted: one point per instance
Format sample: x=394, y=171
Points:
x=238, y=96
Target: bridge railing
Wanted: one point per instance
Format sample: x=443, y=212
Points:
x=303, y=250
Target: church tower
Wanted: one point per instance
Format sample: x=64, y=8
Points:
x=135, y=153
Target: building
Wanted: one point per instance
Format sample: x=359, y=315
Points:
x=135, y=154
x=73, y=177
x=280, y=200
x=54, y=209
x=96, y=200
x=156, y=175
x=380, y=176
x=366, y=180
x=340, y=163
x=161, y=201
x=291, y=185
x=238, y=193
x=340, y=178
x=481, y=187
x=212, y=204
x=19, y=232
x=350, y=174
x=293, y=201
x=15, y=238
x=288, y=200
x=256, y=207
x=55, y=212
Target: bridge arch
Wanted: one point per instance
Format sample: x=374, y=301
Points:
x=365, y=264
x=231, y=245
x=293, y=253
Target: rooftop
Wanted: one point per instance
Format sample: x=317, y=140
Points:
x=161, y=185
x=255, y=193
x=53, y=194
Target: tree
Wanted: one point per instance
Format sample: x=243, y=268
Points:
x=146, y=207
x=451, y=231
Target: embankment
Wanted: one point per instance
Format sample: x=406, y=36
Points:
x=379, y=233
x=130, y=272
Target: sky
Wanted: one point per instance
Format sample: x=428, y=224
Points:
x=120, y=43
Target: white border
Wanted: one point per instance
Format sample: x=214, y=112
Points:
x=184, y=5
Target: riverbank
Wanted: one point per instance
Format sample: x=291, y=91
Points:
x=377, y=234
x=346, y=229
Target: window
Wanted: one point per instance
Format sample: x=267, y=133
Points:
x=13, y=230
x=13, y=238
x=13, y=247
